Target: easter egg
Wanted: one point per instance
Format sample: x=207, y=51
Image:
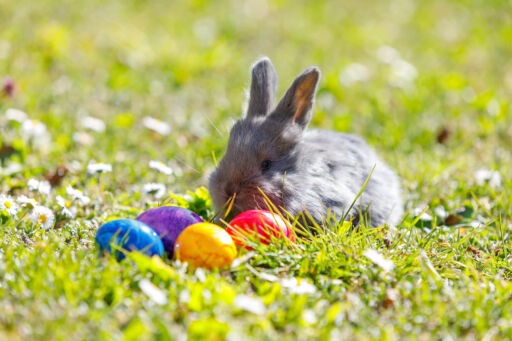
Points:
x=128, y=235
x=168, y=222
x=259, y=225
x=205, y=245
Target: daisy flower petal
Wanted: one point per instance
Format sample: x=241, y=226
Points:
x=161, y=167
x=8, y=205
x=156, y=125
x=156, y=189
x=42, y=186
x=42, y=216
x=94, y=167
x=77, y=195
x=26, y=202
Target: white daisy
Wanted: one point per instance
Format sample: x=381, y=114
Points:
x=421, y=212
x=93, y=123
x=36, y=132
x=485, y=175
x=377, y=258
x=157, y=126
x=354, y=73
x=251, y=304
x=8, y=205
x=387, y=54
x=33, y=128
x=154, y=293
x=78, y=195
x=94, y=167
x=403, y=74
x=12, y=168
x=26, y=202
x=440, y=211
x=83, y=138
x=156, y=189
x=161, y=167
x=67, y=209
x=493, y=107
x=299, y=286
x=42, y=186
x=15, y=115
x=42, y=216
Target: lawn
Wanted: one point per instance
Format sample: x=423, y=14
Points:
x=108, y=108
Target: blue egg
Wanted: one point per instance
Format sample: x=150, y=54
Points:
x=128, y=235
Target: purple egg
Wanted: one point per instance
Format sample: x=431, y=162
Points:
x=168, y=222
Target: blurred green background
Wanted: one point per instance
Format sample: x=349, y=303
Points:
x=187, y=63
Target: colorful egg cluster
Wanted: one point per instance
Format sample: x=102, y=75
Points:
x=183, y=235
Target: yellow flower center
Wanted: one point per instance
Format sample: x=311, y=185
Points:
x=8, y=204
x=43, y=218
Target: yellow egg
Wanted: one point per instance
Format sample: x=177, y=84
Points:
x=205, y=245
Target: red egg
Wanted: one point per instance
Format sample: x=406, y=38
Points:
x=259, y=225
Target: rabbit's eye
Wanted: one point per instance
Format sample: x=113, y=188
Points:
x=265, y=165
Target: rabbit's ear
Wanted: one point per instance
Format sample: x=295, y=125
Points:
x=297, y=102
x=263, y=88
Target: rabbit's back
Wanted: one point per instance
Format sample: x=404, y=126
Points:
x=331, y=168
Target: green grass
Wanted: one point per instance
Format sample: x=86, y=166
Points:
x=188, y=65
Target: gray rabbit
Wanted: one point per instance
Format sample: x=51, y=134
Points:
x=313, y=173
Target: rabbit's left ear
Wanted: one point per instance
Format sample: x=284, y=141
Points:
x=263, y=88
x=297, y=103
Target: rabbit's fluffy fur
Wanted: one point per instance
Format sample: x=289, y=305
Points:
x=313, y=173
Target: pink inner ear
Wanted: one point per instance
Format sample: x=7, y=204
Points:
x=304, y=96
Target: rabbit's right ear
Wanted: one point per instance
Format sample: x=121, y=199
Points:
x=297, y=102
x=263, y=88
